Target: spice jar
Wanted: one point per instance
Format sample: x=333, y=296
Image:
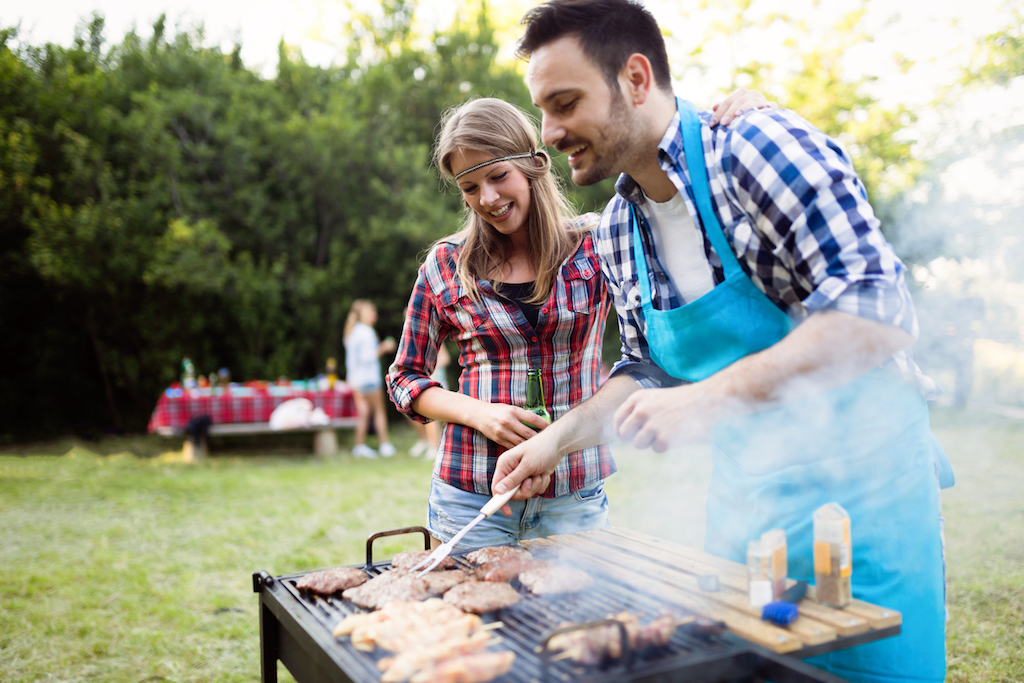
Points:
x=776, y=541
x=833, y=565
x=759, y=573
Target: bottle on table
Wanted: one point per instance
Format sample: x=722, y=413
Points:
x=332, y=372
x=188, y=373
x=776, y=541
x=759, y=572
x=833, y=564
x=535, y=395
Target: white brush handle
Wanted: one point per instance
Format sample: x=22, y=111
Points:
x=494, y=504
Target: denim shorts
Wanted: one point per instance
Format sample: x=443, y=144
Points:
x=369, y=387
x=451, y=508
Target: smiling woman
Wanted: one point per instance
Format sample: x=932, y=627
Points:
x=518, y=289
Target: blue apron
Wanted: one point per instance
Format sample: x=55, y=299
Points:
x=866, y=445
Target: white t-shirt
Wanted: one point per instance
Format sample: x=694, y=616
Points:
x=680, y=244
x=362, y=364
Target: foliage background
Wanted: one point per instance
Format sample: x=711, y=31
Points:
x=159, y=198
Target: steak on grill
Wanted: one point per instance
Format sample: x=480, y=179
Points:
x=481, y=596
x=439, y=582
x=330, y=581
x=508, y=569
x=497, y=553
x=396, y=584
x=410, y=558
x=553, y=578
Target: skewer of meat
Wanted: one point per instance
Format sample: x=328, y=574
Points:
x=408, y=662
x=475, y=668
x=592, y=646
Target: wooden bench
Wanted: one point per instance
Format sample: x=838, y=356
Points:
x=325, y=439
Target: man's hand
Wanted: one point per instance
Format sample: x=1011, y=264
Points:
x=660, y=418
x=736, y=103
x=827, y=350
x=532, y=463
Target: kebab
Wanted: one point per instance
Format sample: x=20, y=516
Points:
x=432, y=641
x=591, y=646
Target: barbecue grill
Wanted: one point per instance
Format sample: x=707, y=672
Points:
x=633, y=572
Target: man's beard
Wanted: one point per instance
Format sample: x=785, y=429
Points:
x=619, y=138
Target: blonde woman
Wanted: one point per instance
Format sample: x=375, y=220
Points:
x=518, y=288
x=363, y=374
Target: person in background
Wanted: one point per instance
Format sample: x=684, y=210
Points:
x=758, y=301
x=429, y=435
x=363, y=374
x=518, y=288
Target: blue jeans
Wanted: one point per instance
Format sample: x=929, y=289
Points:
x=451, y=508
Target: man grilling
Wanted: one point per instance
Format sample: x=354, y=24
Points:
x=758, y=301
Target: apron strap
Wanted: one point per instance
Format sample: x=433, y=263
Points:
x=693, y=150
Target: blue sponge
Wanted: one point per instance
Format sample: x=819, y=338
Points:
x=780, y=613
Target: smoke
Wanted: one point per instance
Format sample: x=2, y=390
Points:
x=959, y=231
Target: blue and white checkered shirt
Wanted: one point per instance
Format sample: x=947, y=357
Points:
x=797, y=217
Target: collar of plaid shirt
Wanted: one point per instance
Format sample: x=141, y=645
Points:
x=787, y=196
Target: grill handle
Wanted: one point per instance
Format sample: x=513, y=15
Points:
x=395, y=532
x=545, y=653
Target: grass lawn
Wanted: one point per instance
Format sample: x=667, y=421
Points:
x=121, y=563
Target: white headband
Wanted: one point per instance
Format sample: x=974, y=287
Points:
x=494, y=161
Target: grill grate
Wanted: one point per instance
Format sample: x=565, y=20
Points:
x=528, y=622
x=296, y=627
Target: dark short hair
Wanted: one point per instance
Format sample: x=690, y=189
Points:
x=609, y=31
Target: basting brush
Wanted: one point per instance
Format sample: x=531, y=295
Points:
x=784, y=611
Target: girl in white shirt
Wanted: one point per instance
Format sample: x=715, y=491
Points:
x=363, y=374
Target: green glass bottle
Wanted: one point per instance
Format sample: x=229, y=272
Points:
x=535, y=395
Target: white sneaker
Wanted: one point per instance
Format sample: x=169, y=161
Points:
x=419, y=448
x=363, y=451
x=386, y=449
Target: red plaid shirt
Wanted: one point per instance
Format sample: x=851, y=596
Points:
x=497, y=346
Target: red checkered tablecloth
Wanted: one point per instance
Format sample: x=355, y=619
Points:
x=176, y=408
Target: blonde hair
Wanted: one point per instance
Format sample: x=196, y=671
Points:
x=355, y=314
x=497, y=128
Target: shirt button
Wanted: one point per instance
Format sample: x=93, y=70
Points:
x=586, y=273
x=544, y=310
x=533, y=339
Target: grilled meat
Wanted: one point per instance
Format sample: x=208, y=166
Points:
x=396, y=584
x=410, y=558
x=332, y=580
x=591, y=646
x=433, y=641
x=497, y=553
x=400, y=625
x=425, y=656
x=481, y=596
x=476, y=668
x=439, y=582
x=550, y=578
x=508, y=569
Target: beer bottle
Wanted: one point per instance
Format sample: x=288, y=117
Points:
x=535, y=395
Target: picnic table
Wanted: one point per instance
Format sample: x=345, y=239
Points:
x=245, y=410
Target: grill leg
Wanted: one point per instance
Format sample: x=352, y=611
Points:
x=269, y=639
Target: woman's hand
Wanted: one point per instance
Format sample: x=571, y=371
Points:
x=503, y=424
x=739, y=101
